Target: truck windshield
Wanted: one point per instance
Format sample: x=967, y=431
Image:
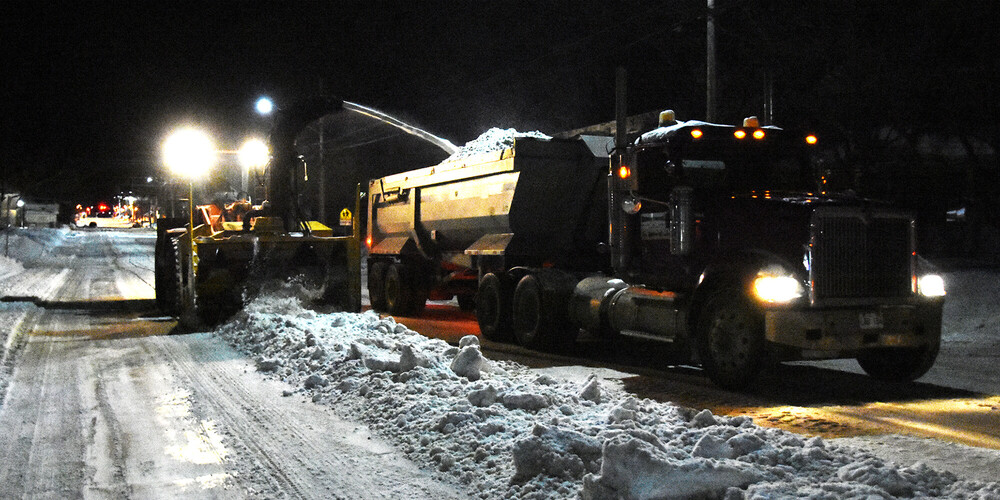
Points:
x=724, y=166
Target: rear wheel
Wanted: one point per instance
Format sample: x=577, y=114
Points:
x=493, y=308
x=899, y=365
x=731, y=340
x=404, y=294
x=539, y=315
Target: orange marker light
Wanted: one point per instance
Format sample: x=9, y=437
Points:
x=624, y=172
x=811, y=139
x=696, y=133
x=368, y=241
x=740, y=134
x=758, y=134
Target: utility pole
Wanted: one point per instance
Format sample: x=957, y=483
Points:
x=710, y=103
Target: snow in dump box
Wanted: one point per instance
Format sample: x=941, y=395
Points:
x=502, y=430
x=494, y=139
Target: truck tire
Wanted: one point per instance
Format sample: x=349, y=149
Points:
x=539, y=316
x=403, y=292
x=899, y=365
x=493, y=308
x=163, y=277
x=731, y=339
x=376, y=285
x=168, y=278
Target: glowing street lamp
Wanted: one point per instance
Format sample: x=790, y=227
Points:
x=254, y=155
x=264, y=106
x=189, y=153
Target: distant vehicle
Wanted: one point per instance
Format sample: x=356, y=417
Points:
x=103, y=211
x=715, y=238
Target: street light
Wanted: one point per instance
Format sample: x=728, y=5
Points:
x=253, y=155
x=264, y=105
x=189, y=153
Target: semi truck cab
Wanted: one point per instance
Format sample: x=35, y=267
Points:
x=726, y=233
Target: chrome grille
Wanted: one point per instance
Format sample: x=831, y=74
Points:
x=857, y=254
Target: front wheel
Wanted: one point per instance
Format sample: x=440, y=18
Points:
x=731, y=340
x=899, y=365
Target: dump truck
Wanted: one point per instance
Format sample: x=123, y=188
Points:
x=719, y=239
x=238, y=247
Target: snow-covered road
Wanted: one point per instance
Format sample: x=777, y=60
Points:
x=143, y=414
x=286, y=401
x=105, y=403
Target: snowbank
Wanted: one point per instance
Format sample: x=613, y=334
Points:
x=494, y=139
x=504, y=431
x=28, y=267
x=9, y=266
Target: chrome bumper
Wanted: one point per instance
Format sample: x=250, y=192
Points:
x=842, y=332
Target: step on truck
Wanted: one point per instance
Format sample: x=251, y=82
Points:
x=718, y=239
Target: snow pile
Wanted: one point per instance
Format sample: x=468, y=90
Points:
x=494, y=139
x=27, y=246
x=9, y=266
x=28, y=267
x=504, y=431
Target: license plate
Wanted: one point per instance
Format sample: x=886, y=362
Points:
x=871, y=321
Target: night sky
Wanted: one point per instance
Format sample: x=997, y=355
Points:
x=91, y=90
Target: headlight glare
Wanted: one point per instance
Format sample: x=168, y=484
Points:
x=931, y=285
x=777, y=289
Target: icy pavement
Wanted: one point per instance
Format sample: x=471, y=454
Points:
x=502, y=430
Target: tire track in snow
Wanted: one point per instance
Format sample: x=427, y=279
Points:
x=305, y=450
x=229, y=407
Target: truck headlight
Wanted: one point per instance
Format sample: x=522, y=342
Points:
x=777, y=289
x=931, y=285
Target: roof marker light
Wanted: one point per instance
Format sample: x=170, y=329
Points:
x=740, y=133
x=811, y=139
x=696, y=133
x=758, y=134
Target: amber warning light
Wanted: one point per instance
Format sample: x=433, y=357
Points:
x=811, y=139
x=624, y=172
